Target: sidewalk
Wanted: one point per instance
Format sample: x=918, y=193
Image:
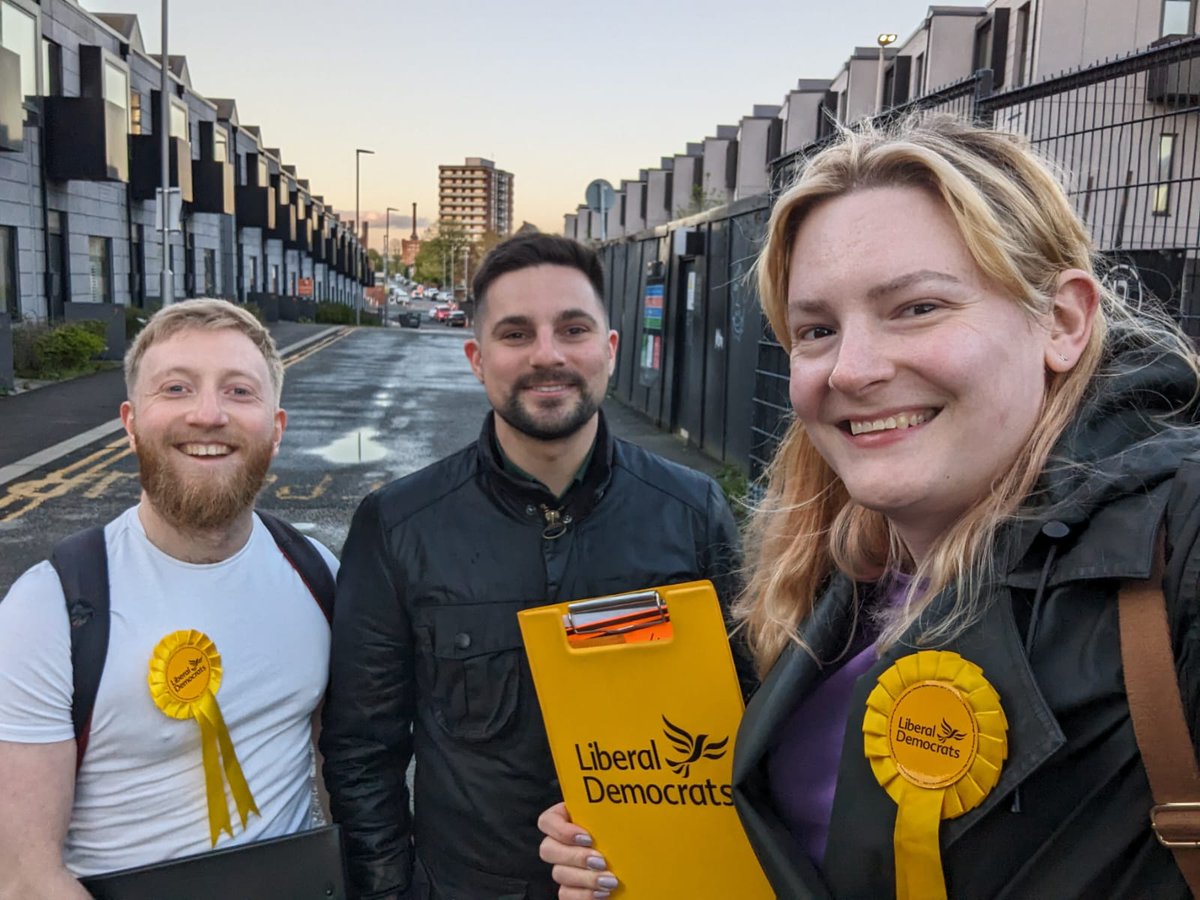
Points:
x=39, y=426
x=634, y=427
x=42, y=425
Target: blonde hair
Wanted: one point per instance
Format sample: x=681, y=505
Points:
x=210, y=315
x=1018, y=226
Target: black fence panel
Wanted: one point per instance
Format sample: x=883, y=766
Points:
x=630, y=256
x=745, y=317
x=688, y=372
x=716, y=338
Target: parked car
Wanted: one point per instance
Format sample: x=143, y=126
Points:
x=456, y=319
x=439, y=312
x=409, y=318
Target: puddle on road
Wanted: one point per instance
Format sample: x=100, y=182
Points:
x=355, y=447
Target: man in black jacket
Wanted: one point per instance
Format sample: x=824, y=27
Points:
x=427, y=659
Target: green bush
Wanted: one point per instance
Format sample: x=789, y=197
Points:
x=96, y=327
x=329, y=313
x=736, y=488
x=25, y=337
x=68, y=347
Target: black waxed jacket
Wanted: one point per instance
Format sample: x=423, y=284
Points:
x=1069, y=817
x=428, y=660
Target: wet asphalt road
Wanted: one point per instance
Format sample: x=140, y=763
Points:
x=372, y=406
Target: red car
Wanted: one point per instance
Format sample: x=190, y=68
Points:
x=440, y=313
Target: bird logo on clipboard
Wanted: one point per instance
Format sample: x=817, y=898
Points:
x=693, y=748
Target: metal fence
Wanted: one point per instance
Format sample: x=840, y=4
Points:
x=1123, y=137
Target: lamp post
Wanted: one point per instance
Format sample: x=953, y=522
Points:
x=387, y=290
x=884, y=41
x=166, y=276
x=358, y=227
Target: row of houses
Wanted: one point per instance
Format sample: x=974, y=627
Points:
x=1020, y=42
x=80, y=167
x=1108, y=91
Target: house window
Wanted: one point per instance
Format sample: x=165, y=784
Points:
x=1021, y=55
x=179, y=120
x=1162, y=191
x=220, y=145
x=51, y=69
x=8, y=272
x=918, y=75
x=135, y=113
x=210, y=273
x=100, y=268
x=254, y=274
x=982, y=58
x=57, y=268
x=283, y=191
x=19, y=33
x=137, y=265
x=116, y=87
x=274, y=278
x=262, y=171
x=1177, y=17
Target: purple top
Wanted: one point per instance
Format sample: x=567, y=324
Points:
x=802, y=768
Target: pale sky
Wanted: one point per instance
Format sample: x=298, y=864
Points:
x=556, y=93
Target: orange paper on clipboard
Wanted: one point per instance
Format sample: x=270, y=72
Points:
x=641, y=705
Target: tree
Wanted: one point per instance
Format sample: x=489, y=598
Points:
x=440, y=258
x=375, y=260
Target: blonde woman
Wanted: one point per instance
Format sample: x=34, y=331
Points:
x=984, y=445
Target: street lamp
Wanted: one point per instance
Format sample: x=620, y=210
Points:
x=884, y=41
x=387, y=291
x=358, y=225
x=166, y=278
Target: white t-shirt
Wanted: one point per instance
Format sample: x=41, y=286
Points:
x=139, y=795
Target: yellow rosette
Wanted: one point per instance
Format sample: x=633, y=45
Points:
x=936, y=737
x=185, y=673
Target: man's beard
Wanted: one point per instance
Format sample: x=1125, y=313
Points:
x=195, y=502
x=550, y=425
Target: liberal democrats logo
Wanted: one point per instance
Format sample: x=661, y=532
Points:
x=693, y=748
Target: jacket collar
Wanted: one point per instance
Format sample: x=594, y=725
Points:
x=1115, y=542
x=518, y=495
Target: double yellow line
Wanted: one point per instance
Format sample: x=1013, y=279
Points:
x=93, y=471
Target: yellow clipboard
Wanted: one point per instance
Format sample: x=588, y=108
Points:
x=641, y=704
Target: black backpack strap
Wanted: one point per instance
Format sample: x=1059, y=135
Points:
x=308, y=562
x=81, y=562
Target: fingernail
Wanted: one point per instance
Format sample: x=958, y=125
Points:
x=597, y=863
x=607, y=881
x=601, y=895
x=583, y=840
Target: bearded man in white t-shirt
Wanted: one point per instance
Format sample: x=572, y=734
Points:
x=194, y=579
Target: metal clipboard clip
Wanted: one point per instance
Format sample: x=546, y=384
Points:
x=620, y=618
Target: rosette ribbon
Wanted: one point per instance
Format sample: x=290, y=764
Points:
x=185, y=673
x=936, y=737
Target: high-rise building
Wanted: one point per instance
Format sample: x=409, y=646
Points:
x=476, y=197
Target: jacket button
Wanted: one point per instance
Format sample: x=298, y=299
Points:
x=1055, y=530
x=462, y=640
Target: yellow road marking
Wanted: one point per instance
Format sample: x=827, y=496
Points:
x=286, y=492
x=92, y=472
